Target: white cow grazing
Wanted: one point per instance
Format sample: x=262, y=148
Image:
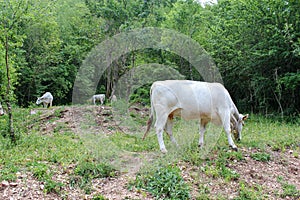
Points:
x=46, y=99
x=98, y=97
x=1, y=110
x=193, y=100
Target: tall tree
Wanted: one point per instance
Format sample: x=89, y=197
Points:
x=256, y=45
x=57, y=38
x=12, y=15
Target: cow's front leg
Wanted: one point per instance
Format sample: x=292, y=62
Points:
x=159, y=132
x=230, y=141
x=227, y=129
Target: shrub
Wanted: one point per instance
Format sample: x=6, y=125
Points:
x=165, y=183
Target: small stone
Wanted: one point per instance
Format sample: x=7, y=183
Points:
x=13, y=184
x=5, y=183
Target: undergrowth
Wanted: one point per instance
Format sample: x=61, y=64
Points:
x=86, y=171
x=164, y=183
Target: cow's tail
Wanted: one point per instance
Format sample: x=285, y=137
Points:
x=150, y=120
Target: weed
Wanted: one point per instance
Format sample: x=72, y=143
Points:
x=8, y=173
x=246, y=192
x=41, y=171
x=86, y=171
x=211, y=171
x=221, y=171
x=99, y=197
x=233, y=156
x=90, y=170
x=52, y=186
x=165, y=182
x=228, y=174
x=203, y=192
x=263, y=157
x=289, y=190
x=218, y=168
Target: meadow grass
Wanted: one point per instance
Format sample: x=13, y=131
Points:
x=106, y=154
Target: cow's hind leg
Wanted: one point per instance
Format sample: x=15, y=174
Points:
x=203, y=124
x=159, y=126
x=168, y=129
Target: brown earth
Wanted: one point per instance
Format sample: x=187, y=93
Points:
x=253, y=173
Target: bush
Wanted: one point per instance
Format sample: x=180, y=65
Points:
x=164, y=183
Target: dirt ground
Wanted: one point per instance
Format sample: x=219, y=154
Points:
x=282, y=164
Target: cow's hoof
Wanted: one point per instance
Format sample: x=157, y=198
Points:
x=164, y=150
x=234, y=149
x=200, y=146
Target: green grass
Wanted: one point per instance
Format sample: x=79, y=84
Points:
x=133, y=142
x=260, y=132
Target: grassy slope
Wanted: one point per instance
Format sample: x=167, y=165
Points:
x=62, y=151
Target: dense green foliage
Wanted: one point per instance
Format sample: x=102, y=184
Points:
x=254, y=43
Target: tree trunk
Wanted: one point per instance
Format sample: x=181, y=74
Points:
x=8, y=97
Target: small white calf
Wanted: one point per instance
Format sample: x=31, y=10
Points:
x=98, y=97
x=46, y=99
x=1, y=110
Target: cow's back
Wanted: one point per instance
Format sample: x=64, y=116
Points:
x=192, y=98
x=47, y=95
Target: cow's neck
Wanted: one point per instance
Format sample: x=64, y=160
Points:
x=235, y=113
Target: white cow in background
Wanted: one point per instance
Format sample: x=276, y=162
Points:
x=46, y=99
x=98, y=97
x=193, y=100
x=1, y=110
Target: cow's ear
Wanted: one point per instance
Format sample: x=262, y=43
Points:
x=245, y=117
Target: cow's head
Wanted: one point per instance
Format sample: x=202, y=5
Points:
x=237, y=126
x=39, y=100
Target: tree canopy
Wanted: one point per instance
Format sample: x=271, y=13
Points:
x=255, y=44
